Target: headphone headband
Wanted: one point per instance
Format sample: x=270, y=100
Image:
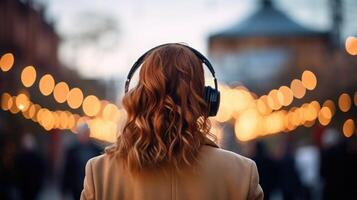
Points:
x=141, y=59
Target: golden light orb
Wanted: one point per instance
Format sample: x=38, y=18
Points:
x=349, y=127
x=289, y=121
x=76, y=118
x=225, y=109
x=309, y=112
x=14, y=109
x=297, y=88
x=344, y=102
x=248, y=126
x=32, y=111
x=316, y=105
x=6, y=101
x=273, y=101
x=309, y=124
x=325, y=116
x=285, y=96
x=111, y=112
x=37, y=109
x=63, y=118
x=22, y=102
x=273, y=123
x=39, y=115
x=239, y=99
x=331, y=105
x=71, y=121
x=47, y=120
x=47, y=83
x=75, y=98
x=28, y=76
x=309, y=80
x=60, y=92
x=6, y=62
x=262, y=105
x=351, y=45
x=91, y=105
x=57, y=120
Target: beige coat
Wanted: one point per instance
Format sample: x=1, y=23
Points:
x=220, y=174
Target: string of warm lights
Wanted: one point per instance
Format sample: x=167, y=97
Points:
x=46, y=118
x=236, y=100
x=102, y=116
x=103, y=127
x=91, y=104
x=252, y=117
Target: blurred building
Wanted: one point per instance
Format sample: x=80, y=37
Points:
x=269, y=49
x=33, y=40
x=25, y=33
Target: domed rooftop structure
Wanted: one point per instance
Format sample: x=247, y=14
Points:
x=267, y=21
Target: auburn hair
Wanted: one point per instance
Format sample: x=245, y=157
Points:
x=167, y=116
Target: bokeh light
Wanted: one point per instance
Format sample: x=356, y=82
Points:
x=6, y=101
x=331, y=105
x=248, y=127
x=6, y=62
x=63, y=119
x=309, y=80
x=46, y=119
x=46, y=85
x=75, y=98
x=28, y=76
x=297, y=88
x=285, y=96
x=22, y=102
x=14, y=109
x=32, y=111
x=351, y=45
x=103, y=129
x=37, y=108
x=344, y=102
x=71, y=121
x=225, y=111
x=111, y=112
x=60, y=92
x=348, y=127
x=273, y=100
x=262, y=105
x=91, y=105
x=325, y=116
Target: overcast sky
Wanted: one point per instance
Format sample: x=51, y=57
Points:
x=143, y=24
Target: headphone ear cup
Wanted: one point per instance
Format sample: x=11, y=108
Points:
x=207, y=94
x=212, y=97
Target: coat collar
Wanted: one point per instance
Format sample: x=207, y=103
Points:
x=210, y=143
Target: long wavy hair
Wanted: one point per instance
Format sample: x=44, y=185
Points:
x=167, y=116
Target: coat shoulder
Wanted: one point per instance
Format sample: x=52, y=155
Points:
x=101, y=161
x=225, y=156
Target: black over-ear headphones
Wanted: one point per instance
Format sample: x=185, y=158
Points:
x=211, y=95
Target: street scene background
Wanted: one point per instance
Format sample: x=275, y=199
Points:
x=287, y=73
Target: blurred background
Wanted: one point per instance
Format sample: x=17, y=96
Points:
x=286, y=69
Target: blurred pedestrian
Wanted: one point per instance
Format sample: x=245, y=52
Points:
x=289, y=182
x=8, y=189
x=338, y=166
x=267, y=169
x=30, y=168
x=76, y=158
x=307, y=159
